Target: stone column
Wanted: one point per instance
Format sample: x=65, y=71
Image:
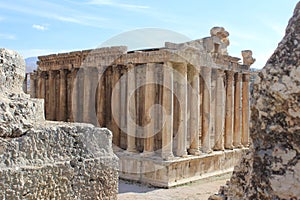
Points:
x=52, y=97
x=205, y=139
x=38, y=85
x=62, y=95
x=25, y=83
x=167, y=104
x=33, y=85
x=108, y=97
x=123, y=107
x=131, y=110
x=40, y=92
x=148, y=120
x=194, y=104
x=237, y=113
x=245, y=110
x=80, y=95
x=219, y=112
x=47, y=106
x=101, y=98
x=57, y=95
x=89, y=91
x=72, y=95
x=229, y=111
x=86, y=94
x=180, y=77
x=115, y=105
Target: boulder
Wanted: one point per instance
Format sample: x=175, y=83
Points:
x=271, y=170
x=48, y=160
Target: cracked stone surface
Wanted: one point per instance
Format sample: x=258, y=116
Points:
x=271, y=170
x=48, y=160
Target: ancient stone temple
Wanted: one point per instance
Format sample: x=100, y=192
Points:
x=177, y=113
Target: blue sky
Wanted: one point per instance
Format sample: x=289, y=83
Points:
x=36, y=27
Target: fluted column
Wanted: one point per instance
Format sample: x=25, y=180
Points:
x=33, y=85
x=72, y=95
x=131, y=109
x=229, y=111
x=47, y=94
x=57, y=96
x=245, y=110
x=52, y=95
x=180, y=77
x=115, y=105
x=101, y=98
x=89, y=90
x=43, y=90
x=40, y=88
x=86, y=95
x=219, y=112
x=80, y=95
x=206, y=126
x=25, y=83
x=62, y=95
x=167, y=103
x=237, y=113
x=148, y=121
x=123, y=107
x=194, y=105
x=38, y=85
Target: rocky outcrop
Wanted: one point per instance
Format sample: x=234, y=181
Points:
x=271, y=170
x=48, y=160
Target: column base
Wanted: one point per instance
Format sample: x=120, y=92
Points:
x=167, y=156
x=182, y=154
x=245, y=145
x=206, y=150
x=218, y=148
x=195, y=152
x=239, y=146
x=229, y=147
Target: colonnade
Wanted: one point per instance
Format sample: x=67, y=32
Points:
x=121, y=98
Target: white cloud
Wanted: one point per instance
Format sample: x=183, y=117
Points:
x=60, y=13
x=40, y=27
x=7, y=36
x=117, y=4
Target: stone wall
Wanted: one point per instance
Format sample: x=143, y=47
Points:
x=48, y=160
x=271, y=170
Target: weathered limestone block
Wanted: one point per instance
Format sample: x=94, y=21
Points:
x=247, y=57
x=49, y=160
x=12, y=70
x=271, y=169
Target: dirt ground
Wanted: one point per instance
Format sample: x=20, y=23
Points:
x=199, y=190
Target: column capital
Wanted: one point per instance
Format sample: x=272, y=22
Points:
x=237, y=77
x=130, y=66
x=220, y=73
x=52, y=73
x=229, y=75
x=180, y=67
x=205, y=70
x=62, y=72
x=246, y=77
